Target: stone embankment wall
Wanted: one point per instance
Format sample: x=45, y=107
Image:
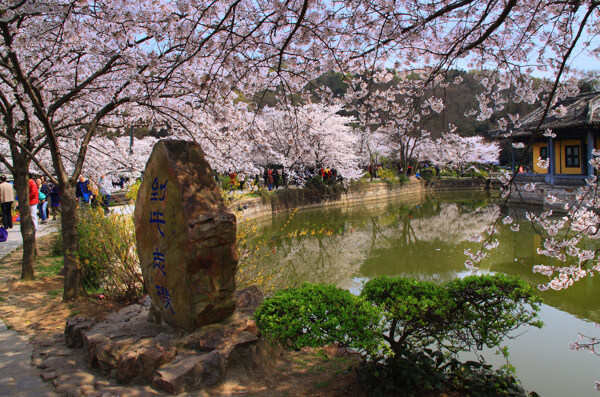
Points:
x=255, y=208
x=566, y=194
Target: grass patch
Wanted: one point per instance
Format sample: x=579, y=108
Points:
x=322, y=384
x=55, y=293
x=341, y=360
x=318, y=368
x=50, y=267
x=301, y=361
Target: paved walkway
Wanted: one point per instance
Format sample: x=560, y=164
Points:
x=17, y=376
x=15, y=240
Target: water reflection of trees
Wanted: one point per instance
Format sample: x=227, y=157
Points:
x=429, y=243
x=424, y=240
x=415, y=241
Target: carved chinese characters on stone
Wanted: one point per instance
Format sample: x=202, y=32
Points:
x=185, y=238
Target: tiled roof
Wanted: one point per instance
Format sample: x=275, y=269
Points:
x=580, y=111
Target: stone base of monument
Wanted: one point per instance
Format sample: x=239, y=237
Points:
x=134, y=351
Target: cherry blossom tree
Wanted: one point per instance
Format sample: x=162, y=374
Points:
x=237, y=138
x=111, y=156
x=312, y=135
x=371, y=146
x=77, y=69
x=316, y=136
x=396, y=112
x=455, y=151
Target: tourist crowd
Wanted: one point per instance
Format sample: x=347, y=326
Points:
x=274, y=178
x=44, y=197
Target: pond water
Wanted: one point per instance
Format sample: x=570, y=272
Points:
x=426, y=239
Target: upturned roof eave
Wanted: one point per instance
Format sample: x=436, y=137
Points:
x=555, y=127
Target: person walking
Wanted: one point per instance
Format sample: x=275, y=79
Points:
x=82, y=191
x=46, y=188
x=276, y=178
x=54, y=201
x=7, y=196
x=105, y=190
x=270, y=180
x=43, y=201
x=33, y=201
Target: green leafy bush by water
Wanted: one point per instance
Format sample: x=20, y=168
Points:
x=418, y=372
x=407, y=319
x=316, y=315
x=459, y=315
x=402, y=178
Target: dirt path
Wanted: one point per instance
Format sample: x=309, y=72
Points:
x=35, y=309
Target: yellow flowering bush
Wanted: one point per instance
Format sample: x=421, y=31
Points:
x=107, y=253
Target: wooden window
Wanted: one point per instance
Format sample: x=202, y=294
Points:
x=543, y=152
x=572, y=156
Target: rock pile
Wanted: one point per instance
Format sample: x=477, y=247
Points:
x=128, y=349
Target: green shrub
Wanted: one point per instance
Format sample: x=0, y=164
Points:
x=224, y=182
x=106, y=254
x=489, y=307
x=402, y=178
x=57, y=245
x=428, y=370
x=450, y=173
x=460, y=315
x=359, y=184
x=411, y=317
x=316, y=182
x=415, y=312
x=317, y=315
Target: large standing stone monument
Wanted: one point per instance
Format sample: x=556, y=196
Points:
x=185, y=238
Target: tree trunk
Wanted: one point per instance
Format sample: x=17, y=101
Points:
x=69, y=219
x=404, y=165
x=27, y=228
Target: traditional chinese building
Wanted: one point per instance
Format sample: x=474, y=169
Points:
x=568, y=134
